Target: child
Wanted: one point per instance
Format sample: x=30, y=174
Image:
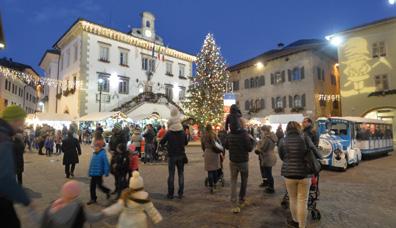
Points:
x=98, y=167
x=133, y=160
x=120, y=168
x=133, y=205
x=67, y=211
x=233, y=120
x=49, y=145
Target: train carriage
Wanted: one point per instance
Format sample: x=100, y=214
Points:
x=344, y=141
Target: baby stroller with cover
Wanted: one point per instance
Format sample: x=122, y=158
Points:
x=220, y=174
x=313, y=197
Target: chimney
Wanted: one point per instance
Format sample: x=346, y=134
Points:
x=281, y=45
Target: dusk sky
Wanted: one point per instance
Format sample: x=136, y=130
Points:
x=243, y=29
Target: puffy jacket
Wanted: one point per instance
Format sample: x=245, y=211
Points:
x=176, y=141
x=309, y=132
x=239, y=146
x=292, y=150
x=9, y=188
x=99, y=164
x=265, y=150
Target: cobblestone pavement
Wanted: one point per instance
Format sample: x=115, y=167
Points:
x=364, y=196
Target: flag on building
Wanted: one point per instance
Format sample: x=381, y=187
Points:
x=153, y=52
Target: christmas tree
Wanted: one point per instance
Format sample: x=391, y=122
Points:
x=206, y=93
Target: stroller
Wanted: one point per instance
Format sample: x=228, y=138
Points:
x=220, y=174
x=312, y=199
x=161, y=153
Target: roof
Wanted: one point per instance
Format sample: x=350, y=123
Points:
x=45, y=116
x=292, y=48
x=9, y=63
x=106, y=27
x=49, y=51
x=99, y=116
x=368, y=25
x=359, y=119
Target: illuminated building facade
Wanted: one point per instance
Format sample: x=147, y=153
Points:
x=367, y=56
x=300, y=78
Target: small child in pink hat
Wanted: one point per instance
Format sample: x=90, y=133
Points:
x=67, y=211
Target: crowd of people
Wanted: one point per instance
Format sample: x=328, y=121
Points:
x=125, y=148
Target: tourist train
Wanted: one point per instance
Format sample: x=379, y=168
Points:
x=344, y=141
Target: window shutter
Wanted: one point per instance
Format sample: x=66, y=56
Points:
x=283, y=76
x=289, y=75
x=273, y=102
x=272, y=79
x=290, y=102
x=303, y=100
x=302, y=72
x=284, y=102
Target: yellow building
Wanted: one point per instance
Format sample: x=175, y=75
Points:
x=367, y=57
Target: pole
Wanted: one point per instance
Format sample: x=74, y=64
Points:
x=100, y=97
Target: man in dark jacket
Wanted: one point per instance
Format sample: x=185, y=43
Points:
x=279, y=134
x=149, y=147
x=309, y=132
x=175, y=140
x=239, y=146
x=10, y=191
x=71, y=150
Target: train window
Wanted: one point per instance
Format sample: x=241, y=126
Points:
x=339, y=128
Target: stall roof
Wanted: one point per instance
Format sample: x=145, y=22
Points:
x=99, y=116
x=145, y=110
x=285, y=118
x=44, y=116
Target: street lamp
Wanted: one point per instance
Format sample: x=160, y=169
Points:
x=41, y=105
x=392, y=2
x=100, y=81
x=335, y=40
x=2, y=39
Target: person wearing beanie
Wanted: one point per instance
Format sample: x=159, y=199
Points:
x=12, y=119
x=98, y=167
x=134, y=206
x=67, y=211
x=175, y=140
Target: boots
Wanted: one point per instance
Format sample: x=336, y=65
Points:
x=264, y=184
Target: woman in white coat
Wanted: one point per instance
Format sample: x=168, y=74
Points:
x=134, y=206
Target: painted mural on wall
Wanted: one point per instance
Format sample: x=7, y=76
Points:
x=358, y=65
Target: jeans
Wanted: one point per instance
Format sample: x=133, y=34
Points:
x=298, y=190
x=172, y=164
x=8, y=216
x=97, y=181
x=69, y=169
x=235, y=169
x=19, y=178
x=58, y=148
x=148, y=152
x=212, y=177
x=267, y=171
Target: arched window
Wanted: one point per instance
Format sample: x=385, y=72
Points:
x=257, y=104
x=279, y=102
x=252, y=83
x=251, y=104
x=247, y=105
x=148, y=24
x=297, y=101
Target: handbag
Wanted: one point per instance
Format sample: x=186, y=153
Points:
x=185, y=159
x=218, y=148
x=313, y=165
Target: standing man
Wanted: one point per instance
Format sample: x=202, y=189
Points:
x=149, y=136
x=309, y=131
x=12, y=119
x=279, y=133
x=71, y=150
x=239, y=145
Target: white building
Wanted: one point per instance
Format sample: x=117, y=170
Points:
x=90, y=58
x=14, y=90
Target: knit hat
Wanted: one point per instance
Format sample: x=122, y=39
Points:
x=174, y=123
x=117, y=126
x=137, y=187
x=13, y=112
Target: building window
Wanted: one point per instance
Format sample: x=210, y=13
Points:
x=148, y=64
x=247, y=83
x=297, y=101
x=320, y=74
x=75, y=52
x=262, y=81
x=5, y=102
x=296, y=74
x=379, y=49
x=278, y=102
x=235, y=85
x=381, y=82
x=252, y=83
x=67, y=58
x=123, y=85
x=182, y=93
x=333, y=79
x=262, y=103
x=169, y=91
x=247, y=105
x=104, y=53
x=169, y=68
x=123, y=57
x=106, y=83
x=182, y=70
x=148, y=24
x=278, y=77
x=6, y=84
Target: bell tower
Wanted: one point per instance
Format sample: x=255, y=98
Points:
x=148, y=25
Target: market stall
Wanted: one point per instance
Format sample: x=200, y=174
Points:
x=55, y=120
x=106, y=119
x=283, y=119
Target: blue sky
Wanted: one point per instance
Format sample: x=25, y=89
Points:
x=242, y=28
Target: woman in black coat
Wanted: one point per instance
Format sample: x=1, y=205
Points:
x=71, y=150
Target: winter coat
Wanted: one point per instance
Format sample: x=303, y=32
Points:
x=212, y=159
x=233, y=120
x=149, y=136
x=19, y=150
x=116, y=138
x=176, y=142
x=49, y=143
x=279, y=133
x=309, y=132
x=119, y=164
x=133, y=214
x=265, y=150
x=239, y=146
x=9, y=188
x=99, y=164
x=71, y=150
x=136, y=139
x=292, y=150
x=133, y=161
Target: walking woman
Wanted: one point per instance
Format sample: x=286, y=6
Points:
x=212, y=158
x=292, y=151
x=71, y=150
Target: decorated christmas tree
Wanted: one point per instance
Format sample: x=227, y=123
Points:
x=206, y=93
